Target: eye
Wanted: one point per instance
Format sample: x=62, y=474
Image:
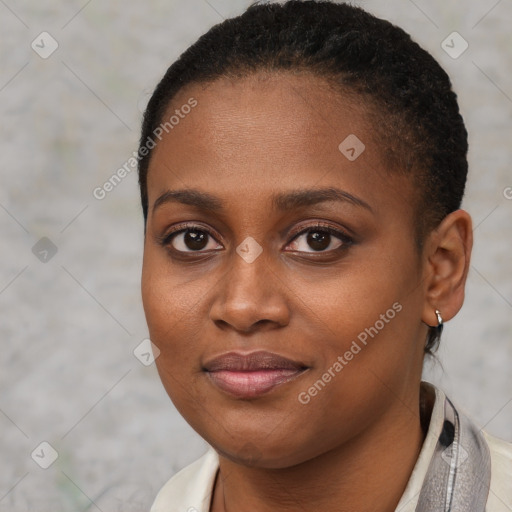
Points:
x=193, y=238
x=320, y=238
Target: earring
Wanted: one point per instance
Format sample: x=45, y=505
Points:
x=439, y=323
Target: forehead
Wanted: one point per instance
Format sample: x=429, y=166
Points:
x=265, y=111
x=269, y=132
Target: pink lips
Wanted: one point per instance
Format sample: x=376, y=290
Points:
x=251, y=375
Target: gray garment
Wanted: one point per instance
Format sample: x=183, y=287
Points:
x=459, y=474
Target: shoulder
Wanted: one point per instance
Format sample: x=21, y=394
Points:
x=190, y=489
x=500, y=493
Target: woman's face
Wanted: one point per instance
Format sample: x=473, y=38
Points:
x=256, y=273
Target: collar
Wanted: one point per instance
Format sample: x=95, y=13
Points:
x=459, y=473
x=453, y=470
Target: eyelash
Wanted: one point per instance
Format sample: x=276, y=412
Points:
x=346, y=240
x=324, y=228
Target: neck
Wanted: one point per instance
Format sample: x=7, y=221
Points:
x=363, y=474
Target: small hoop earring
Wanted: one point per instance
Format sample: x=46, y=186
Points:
x=439, y=322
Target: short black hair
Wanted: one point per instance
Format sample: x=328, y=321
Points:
x=415, y=111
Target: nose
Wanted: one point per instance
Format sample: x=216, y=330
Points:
x=251, y=295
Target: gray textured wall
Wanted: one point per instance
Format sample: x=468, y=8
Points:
x=70, y=323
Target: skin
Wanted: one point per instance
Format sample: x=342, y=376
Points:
x=246, y=140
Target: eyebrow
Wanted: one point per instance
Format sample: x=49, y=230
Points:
x=282, y=201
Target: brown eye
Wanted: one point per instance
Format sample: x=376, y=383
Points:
x=319, y=239
x=195, y=240
x=192, y=239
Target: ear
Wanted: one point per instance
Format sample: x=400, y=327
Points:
x=448, y=253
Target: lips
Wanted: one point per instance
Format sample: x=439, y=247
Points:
x=251, y=375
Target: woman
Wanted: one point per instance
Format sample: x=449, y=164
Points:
x=302, y=168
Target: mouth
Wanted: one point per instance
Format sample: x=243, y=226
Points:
x=251, y=375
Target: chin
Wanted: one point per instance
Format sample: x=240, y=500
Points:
x=264, y=454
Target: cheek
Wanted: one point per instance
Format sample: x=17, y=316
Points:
x=163, y=309
x=155, y=300
x=175, y=315
x=166, y=301
x=166, y=315
x=369, y=315
x=368, y=291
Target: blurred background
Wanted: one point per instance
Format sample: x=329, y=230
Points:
x=77, y=392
